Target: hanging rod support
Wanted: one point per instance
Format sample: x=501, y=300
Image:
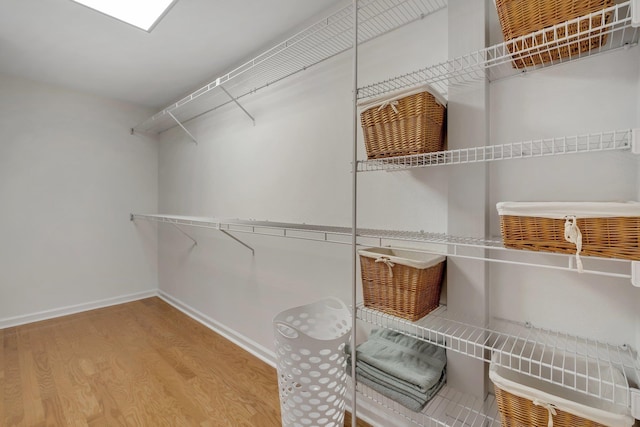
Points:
x=183, y=128
x=253, y=252
x=195, y=242
x=238, y=104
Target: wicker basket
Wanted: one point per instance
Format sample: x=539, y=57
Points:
x=404, y=124
x=522, y=17
x=608, y=230
x=527, y=401
x=401, y=283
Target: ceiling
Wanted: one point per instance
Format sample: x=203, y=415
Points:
x=64, y=43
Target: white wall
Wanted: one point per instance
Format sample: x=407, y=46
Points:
x=593, y=95
x=293, y=166
x=70, y=173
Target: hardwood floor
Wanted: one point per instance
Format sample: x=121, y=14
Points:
x=138, y=364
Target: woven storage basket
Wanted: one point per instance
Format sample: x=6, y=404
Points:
x=608, y=230
x=522, y=17
x=404, y=124
x=402, y=283
x=527, y=401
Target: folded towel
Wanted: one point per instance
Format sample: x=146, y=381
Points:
x=392, y=382
x=409, y=359
x=405, y=369
x=413, y=401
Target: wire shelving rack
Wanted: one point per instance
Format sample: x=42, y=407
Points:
x=523, y=348
x=448, y=408
x=619, y=140
x=616, y=30
x=580, y=364
x=313, y=45
x=439, y=243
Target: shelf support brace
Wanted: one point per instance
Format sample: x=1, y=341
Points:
x=635, y=13
x=238, y=104
x=253, y=252
x=195, y=242
x=183, y=128
x=635, y=275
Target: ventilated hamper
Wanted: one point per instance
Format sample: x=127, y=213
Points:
x=527, y=401
x=404, y=124
x=312, y=379
x=607, y=229
x=402, y=283
x=522, y=17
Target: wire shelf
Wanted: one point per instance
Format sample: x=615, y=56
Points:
x=496, y=62
x=491, y=250
x=598, y=142
x=309, y=47
x=448, y=408
x=575, y=363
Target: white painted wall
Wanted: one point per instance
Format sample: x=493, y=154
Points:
x=598, y=94
x=467, y=284
x=70, y=173
x=293, y=166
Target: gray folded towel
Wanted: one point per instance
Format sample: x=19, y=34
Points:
x=407, y=358
x=405, y=369
x=397, y=391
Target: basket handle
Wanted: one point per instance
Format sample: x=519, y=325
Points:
x=388, y=263
x=549, y=407
x=391, y=103
x=572, y=234
x=286, y=329
x=340, y=304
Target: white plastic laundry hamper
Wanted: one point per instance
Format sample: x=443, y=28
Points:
x=312, y=379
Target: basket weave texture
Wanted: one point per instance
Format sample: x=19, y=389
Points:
x=521, y=17
x=610, y=237
x=415, y=126
x=408, y=292
x=516, y=411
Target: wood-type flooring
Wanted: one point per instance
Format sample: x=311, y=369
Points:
x=142, y=363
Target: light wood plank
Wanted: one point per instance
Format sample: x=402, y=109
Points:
x=138, y=364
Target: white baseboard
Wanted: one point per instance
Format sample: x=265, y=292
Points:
x=259, y=351
x=73, y=309
x=366, y=411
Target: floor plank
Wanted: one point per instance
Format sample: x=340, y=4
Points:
x=142, y=363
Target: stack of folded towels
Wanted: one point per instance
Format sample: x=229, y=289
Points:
x=400, y=367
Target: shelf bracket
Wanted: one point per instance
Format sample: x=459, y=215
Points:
x=183, y=128
x=635, y=13
x=238, y=104
x=195, y=242
x=635, y=275
x=253, y=252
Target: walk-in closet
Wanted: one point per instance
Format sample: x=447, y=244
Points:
x=183, y=204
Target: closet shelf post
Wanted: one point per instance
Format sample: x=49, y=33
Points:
x=635, y=13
